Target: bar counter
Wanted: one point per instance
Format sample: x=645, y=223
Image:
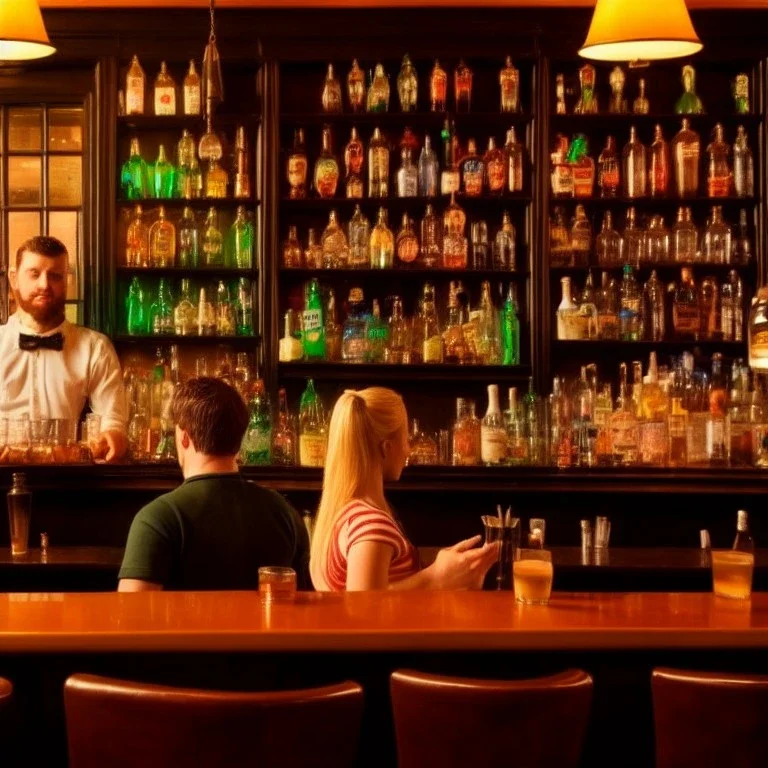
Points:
x=378, y=622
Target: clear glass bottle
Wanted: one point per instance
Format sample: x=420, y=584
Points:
x=189, y=240
x=431, y=239
x=515, y=155
x=407, y=176
x=455, y=247
x=624, y=427
x=291, y=251
x=226, y=318
x=466, y=435
x=297, y=167
x=493, y=433
x=717, y=244
x=588, y=315
x=407, y=243
x=560, y=253
x=481, y=248
x=191, y=89
x=509, y=82
x=137, y=240
x=161, y=311
x=244, y=308
x=438, y=88
x=213, y=251
x=634, y=166
x=359, y=231
x=608, y=173
x=472, y=171
x=378, y=165
x=398, y=350
x=354, y=159
x=134, y=178
x=378, y=93
x=658, y=171
x=685, y=238
x=331, y=96
x=354, y=341
x=326, y=176
x=504, y=247
x=631, y=310
x=455, y=342
x=732, y=310
x=462, y=87
x=377, y=333
x=185, y=312
x=356, y=87
x=743, y=166
x=135, y=82
x=486, y=328
x=641, y=105
x=162, y=241
x=495, y=168
x=188, y=170
x=206, y=315
x=718, y=170
x=428, y=170
x=334, y=244
x=657, y=241
x=654, y=406
x=240, y=241
x=424, y=450
x=382, y=244
x=685, y=308
x=284, y=439
x=163, y=176
x=742, y=244
x=635, y=246
x=313, y=255
x=609, y=244
x=165, y=92
x=313, y=428
x=581, y=237
x=407, y=85
x=568, y=326
x=686, y=148
x=427, y=336
x=608, y=309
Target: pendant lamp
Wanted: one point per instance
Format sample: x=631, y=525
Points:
x=22, y=32
x=632, y=30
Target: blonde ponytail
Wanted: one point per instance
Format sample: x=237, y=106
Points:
x=360, y=422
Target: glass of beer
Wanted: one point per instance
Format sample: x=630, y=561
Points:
x=532, y=575
x=277, y=583
x=732, y=573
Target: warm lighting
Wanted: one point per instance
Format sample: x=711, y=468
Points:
x=632, y=30
x=22, y=32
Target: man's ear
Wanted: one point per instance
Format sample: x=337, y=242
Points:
x=186, y=440
x=12, y=278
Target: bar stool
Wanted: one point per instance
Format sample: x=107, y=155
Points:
x=452, y=721
x=121, y=724
x=709, y=719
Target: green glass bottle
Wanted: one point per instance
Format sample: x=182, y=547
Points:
x=313, y=334
x=689, y=103
x=256, y=447
x=240, y=241
x=161, y=311
x=244, y=308
x=133, y=177
x=137, y=317
x=213, y=255
x=163, y=176
x=189, y=241
x=510, y=330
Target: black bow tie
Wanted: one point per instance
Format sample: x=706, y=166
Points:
x=30, y=343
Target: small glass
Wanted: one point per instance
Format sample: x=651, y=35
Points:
x=732, y=573
x=277, y=584
x=18, y=441
x=602, y=532
x=40, y=432
x=538, y=524
x=532, y=574
x=507, y=532
x=92, y=433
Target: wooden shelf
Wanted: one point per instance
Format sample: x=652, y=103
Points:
x=587, y=122
x=189, y=341
x=398, y=119
x=401, y=204
x=655, y=202
x=383, y=372
x=404, y=273
x=669, y=345
x=191, y=272
x=699, y=267
x=199, y=204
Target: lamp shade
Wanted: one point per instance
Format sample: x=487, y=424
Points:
x=22, y=32
x=628, y=30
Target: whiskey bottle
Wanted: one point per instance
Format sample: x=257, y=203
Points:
x=382, y=244
x=216, y=180
x=609, y=244
x=359, y=231
x=624, y=427
x=567, y=314
x=431, y=239
x=582, y=167
x=587, y=103
x=213, y=253
x=581, y=237
x=424, y=450
x=189, y=240
x=407, y=243
x=743, y=166
x=134, y=88
x=455, y=342
x=641, y=105
x=618, y=104
x=717, y=239
x=165, y=92
x=334, y=244
x=454, y=240
x=514, y=162
x=757, y=331
x=407, y=85
x=685, y=308
x=630, y=308
x=653, y=310
x=407, y=176
x=429, y=332
x=685, y=238
x=685, y=153
x=677, y=421
x=191, y=90
x=162, y=241
x=562, y=170
x=560, y=253
x=284, y=435
x=634, y=240
x=398, y=350
x=654, y=405
x=466, y=435
x=588, y=316
x=206, y=315
x=495, y=168
x=481, y=249
x=450, y=179
x=291, y=251
x=378, y=166
x=689, y=103
x=472, y=171
x=242, y=175
x=354, y=159
x=732, y=309
x=717, y=452
x=658, y=172
x=137, y=241
x=718, y=170
x=509, y=82
x=297, y=167
x=326, y=174
x=356, y=87
x=331, y=97
x=377, y=333
x=504, y=250
x=428, y=170
x=493, y=435
x=378, y=93
x=634, y=161
x=462, y=87
x=608, y=309
x=709, y=310
x=608, y=169
x=438, y=88
x=657, y=241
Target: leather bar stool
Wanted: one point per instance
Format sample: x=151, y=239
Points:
x=452, y=721
x=709, y=719
x=122, y=724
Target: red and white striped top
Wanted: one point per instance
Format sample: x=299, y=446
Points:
x=358, y=522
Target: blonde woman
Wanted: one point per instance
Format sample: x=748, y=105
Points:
x=357, y=543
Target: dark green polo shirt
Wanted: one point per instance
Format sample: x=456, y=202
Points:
x=215, y=532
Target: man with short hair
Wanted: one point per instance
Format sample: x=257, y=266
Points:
x=50, y=367
x=216, y=529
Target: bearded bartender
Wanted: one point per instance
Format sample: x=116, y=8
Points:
x=50, y=367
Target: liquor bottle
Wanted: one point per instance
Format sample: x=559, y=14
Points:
x=137, y=315
x=485, y=320
x=685, y=238
x=617, y=104
x=560, y=106
x=481, y=249
x=743, y=166
x=560, y=253
x=290, y=348
x=623, y=426
x=718, y=399
x=428, y=170
x=240, y=241
x=244, y=308
x=163, y=176
x=450, y=178
x=581, y=237
x=517, y=441
x=588, y=316
x=137, y=241
x=313, y=324
x=742, y=245
x=658, y=172
x=608, y=174
x=242, y=188
x=313, y=255
x=495, y=162
x=472, y=171
x=354, y=342
x=560, y=432
x=583, y=167
x=587, y=103
x=331, y=97
x=466, y=435
x=216, y=180
x=654, y=406
x=630, y=311
x=504, y=255
x=641, y=105
x=438, y=88
x=739, y=421
x=634, y=162
x=134, y=88
x=456, y=351
x=709, y=310
x=162, y=241
x=188, y=170
x=161, y=311
x=191, y=90
x=378, y=165
x=583, y=422
x=431, y=350
x=657, y=241
x=717, y=245
x=608, y=309
x=493, y=435
x=407, y=176
x=407, y=243
x=398, y=349
x=354, y=158
x=743, y=541
x=741, y=93
x=377, y=334
x=689, y=103
x=382, y=243
x=297, y=167
x=567, y=314
x=359, y=229
x=189, y=240
x=213, y=253
x=326, y=174
x=534, y=425
x=509, y=81
x=677, y=420
x=313, y=430
x=165, y=92
x=332, y=330
x=424, y=450
x=334, y=244
x=206, y=315
x=685, y=153
x=431, y=239
x=283, y=435
x=653, y=311
x=455, y=246
x=562, y=170
x=462, y=87
x=134, y=179
x=718, y=170
x=356, y=87
x=378, y=93
x=226, y=320
x=256, y=448
x=732, y=309
x=291, y=250
x=407, y=85
x=514, y=158
x=634, y=240
x=510, y=330
x=757, y=331
x=185, y=312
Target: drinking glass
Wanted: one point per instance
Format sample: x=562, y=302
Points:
x=532, y=574
x=507, y=533
x=40, y=435
x=92, y=433
x=540, y=524
x=276, y=583
x=732, y=573
x=18, y=440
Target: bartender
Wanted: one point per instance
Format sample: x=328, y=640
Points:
x=50, y=367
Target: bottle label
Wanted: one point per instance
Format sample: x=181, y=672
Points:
x=313, y=324
x=312, y=450
x=326, y=178
x=433, y=350
x=562, y=181
x=297, y=170
x=449, y=182
x=759, y=344
x=719, y=186
x=653, y=443
x=686, y=318
x=473, y=183
x=493, y=445
x=496, y=175
x=134, y=99
x=165, y=100
x=583, y=180
x=191, y=99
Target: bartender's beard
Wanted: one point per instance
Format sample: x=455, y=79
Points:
x=46, y=317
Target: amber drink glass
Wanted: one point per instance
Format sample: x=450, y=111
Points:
x=532, y=575
x=732, y=573
x=277, y=584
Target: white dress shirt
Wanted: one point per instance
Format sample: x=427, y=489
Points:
x=48, y=384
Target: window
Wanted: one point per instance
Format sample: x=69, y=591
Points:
x=41, y=149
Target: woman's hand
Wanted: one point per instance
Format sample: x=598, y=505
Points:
x=464, y=565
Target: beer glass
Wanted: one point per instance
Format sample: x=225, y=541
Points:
x=532, y=575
